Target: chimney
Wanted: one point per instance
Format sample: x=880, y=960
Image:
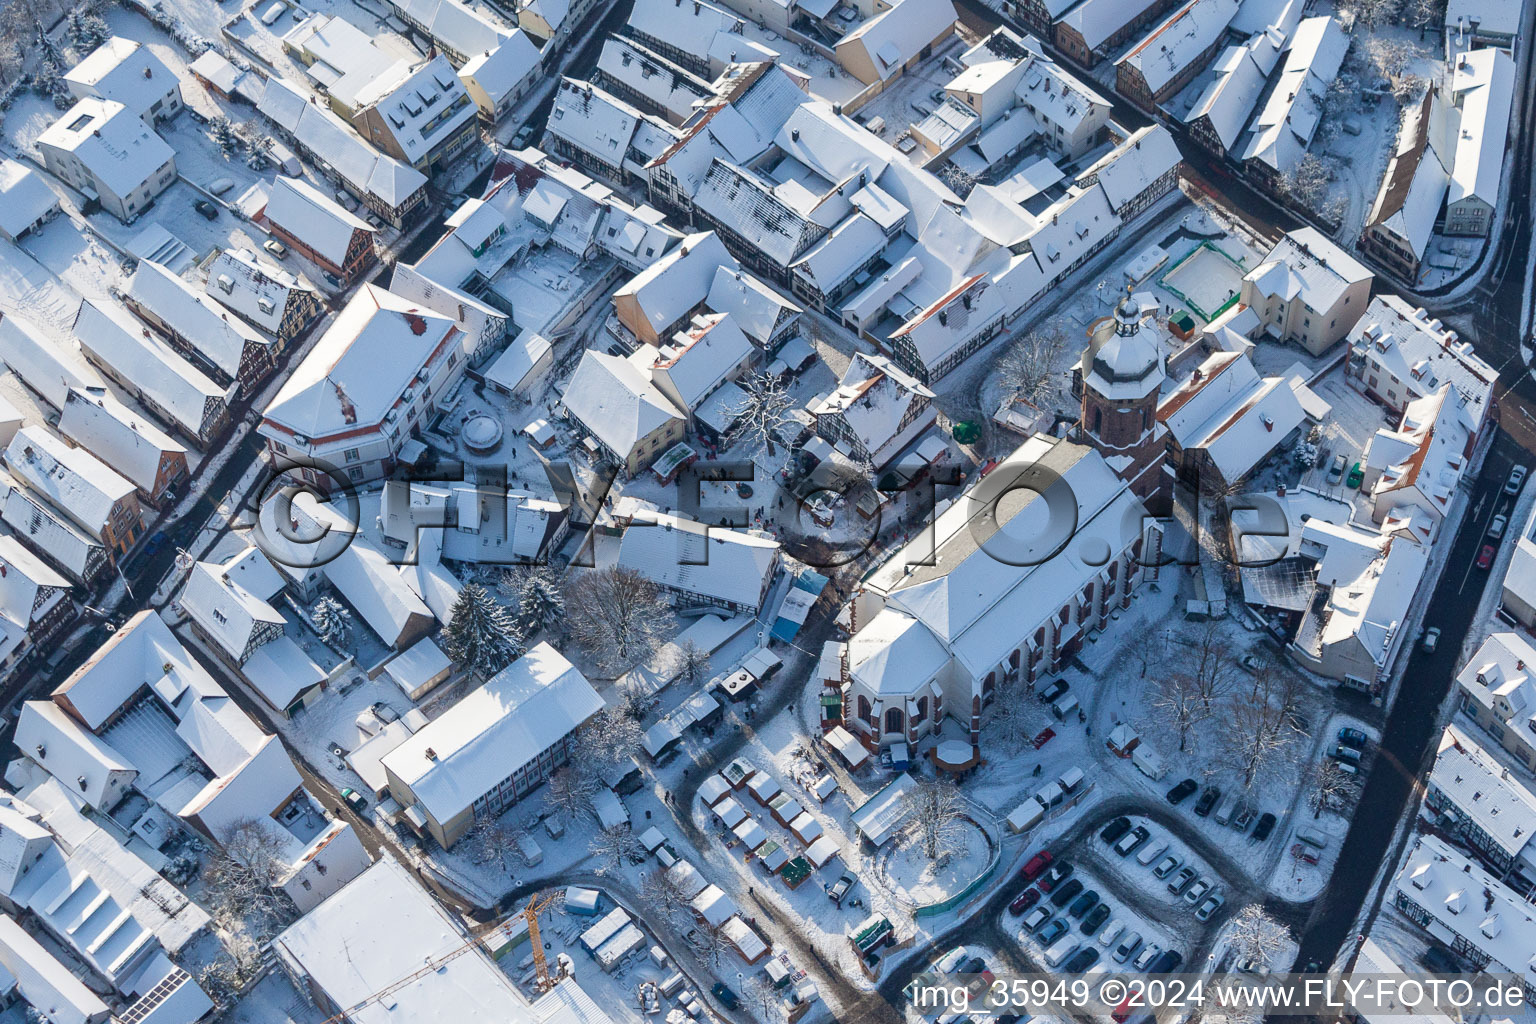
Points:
x=148, y=73
x=416, y=322
x=431, y=754
x=794, y=133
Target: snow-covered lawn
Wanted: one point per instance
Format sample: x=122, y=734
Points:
x=913, y=877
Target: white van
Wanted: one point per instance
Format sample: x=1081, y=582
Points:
x=1065, y=707
x=1150, y=853
x=1061, y=951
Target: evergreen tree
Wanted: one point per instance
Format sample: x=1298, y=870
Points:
x=540, y=601
x=481, y=636
x=331, y=621
x=224, y=136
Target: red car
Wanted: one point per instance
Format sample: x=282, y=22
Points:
x=1485, y=557
x=1026, y=899
x=1036, y=864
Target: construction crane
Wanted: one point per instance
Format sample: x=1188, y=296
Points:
x=536, y=906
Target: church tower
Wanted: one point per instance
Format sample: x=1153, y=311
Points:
x=1121, y=376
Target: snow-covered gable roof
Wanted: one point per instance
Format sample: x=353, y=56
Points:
x=691, y=26
x=518, y=713
x=1371, y=609
x=366, y=360
x=1415, y=184
x=454, y=25
x=423, y=109
x=1482, y=790
x=1178, y=42
x=341, y=58
x=72, y=479
x=1233, y=414
x=616, y=401
x=112, y=141
x=390, y=926
x=315, y=127
x=1489, y=17
x=142, y=653
x=256, y=290
x=899, y=34
x=667, y=289
x=162, y=374
x=500, y=70
x=747, y=205
x=314, y=218
x=757, y=309
x=1483, y=89
x=1099, y=20
x=1282, y=131
x=126, y=440
x=44, y=982
x=221, y=336
x=48, y=366
x=23, y=581
x=66, y=751
x=849, y=246
x=1128, y=169
x=1437, y=430
x=1241, y=71
x=711, y=562
x=123, y=71
x=49, y=530
x=873, y=398
x=652, y=76
x=1305, y=263
x=24, y=197
x=700, y=357
x=1055, y=95
x=593, y=121
x=1422, y=352
x=371, y=584
x=1257, y=15
x=225, y=610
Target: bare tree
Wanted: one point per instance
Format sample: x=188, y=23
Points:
x=695, y=662
x=571, y=789
x=1327, y=787
x=938, y=818
x=1424, y=14
x=1370, y=13
x=1178, y=703
x=635, y=699
x=1306, y=184
x=491, y=840
x=1027, y=370
x=709, y=944
x=617, y=616
x=1256, y=734
x=228, y=974
x=242, y=876
x=662, y=895
x=10, y=61
x=481, y=636
x=960, y=182
x=1014, y=718
x=1208, y=662
x=763, y=410
x=607, y=739
x=613, y=846
x=1149, y=647
x=1391, y=57
x=1258, y=937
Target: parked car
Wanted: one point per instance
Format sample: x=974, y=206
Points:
x=1167, y=962
x=1166, y=866
x=1353, y=738
x=1035, y=919
x=1115, y=829
x=1111, y=934
x=1196, y=892
x=1244, y=817
x=1356, y=477
x=275, y=248
x=1128, y=947
x=1132, y=839
x=1060, y=872
x=1516, y=480
x=1051, y=932
x=1068, y=892
x=1181, y=880
x=1026, y=899
x=354, y=800
x=1251, y=663
x=1148, y=954
x=1496, y=527
x=1265, y=826
x=1485, y=556
x=1094, y=920
x=1209, y=906
x=1084, y=903
x=1431, y=639
x=840, y=889
x=730, y=1000
x=1178, y=794
x=1084, y=959
x=1349, y=755
x=1036, y=864
x=1053, y=692
x=1301, y=853
x=218, y=186
x=1207, y=801
x=207, y=209
x=1336, y=471
x=952, y=961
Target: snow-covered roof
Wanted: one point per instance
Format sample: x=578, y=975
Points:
x=1414, y=186
x=1230, y=412
x=46, y=365
x=615, y=400
x=757, y=309
x=315, y=127
x=522, y=356
x=1258, y=15
x=874, y=398
x=154, y=368
x=1241, y=71
x=341, y=58
x=24, y=197
x=57, y=742
x=1483, y=89
x=711, y=562
x=698, y=359
x=44, y=982
x=1305, y=264
x=519, y=713
x=1421, y=352
x=878, y=818
x=691, y=27
x=389, y=926
x=1483, y=791
x=1127, y=170
x=281, y=671
x=23, y=576
x=850, y=246
x=48, y=530
x=454, y=25
x=1055, y=95
x=314, y=218
x=371, y=584
x=72, y=479
x=667, y=289
x=500, y=70
x=665, y=84
x=1467, y=901
x=417, y=665
x=1498, y=676
x=361, y=367
x=1489, y=17
x=1429, y=450
x=1372, y=608
x=220, y=336
x=1282, y=131
x=112, y=142
x=593, y=121
x=423, y=109
x=893, y=655
x=1178, y=42
x=1099, y=20
x=257, y=291
x=123, y=71
x=748, y=205
x=899, y=34
x=225, y=610
x=126, y=440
